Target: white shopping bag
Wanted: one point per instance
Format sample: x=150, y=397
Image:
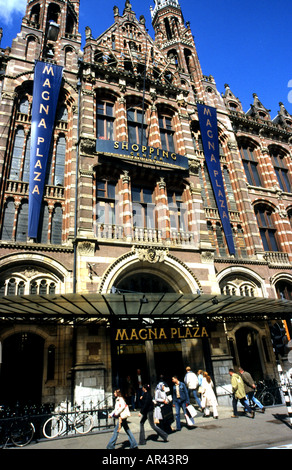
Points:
x=191, y=410
x=190, y=421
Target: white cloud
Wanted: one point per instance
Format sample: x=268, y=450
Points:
x=10, y=8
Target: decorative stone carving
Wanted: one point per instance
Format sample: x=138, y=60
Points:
x=86, y=248
x=151, y=255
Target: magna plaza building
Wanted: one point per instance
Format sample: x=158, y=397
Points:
x=144, y=256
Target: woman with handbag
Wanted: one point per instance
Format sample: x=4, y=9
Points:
x=146, y=412
x=121, y=412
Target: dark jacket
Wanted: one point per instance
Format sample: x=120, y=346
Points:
x=146, y=403
x=248, y=382
x=183, y=391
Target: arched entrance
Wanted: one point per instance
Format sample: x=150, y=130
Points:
x=153, y=357
x=22, y=369
x=248, y=352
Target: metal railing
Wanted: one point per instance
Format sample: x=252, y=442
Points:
x=39, y=414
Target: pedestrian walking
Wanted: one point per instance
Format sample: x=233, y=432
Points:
x=147, y=408
x=250, y=388
x=238, y=394
x=180, y=398
x=163, y=413
x=130, y=392
x=139, y=385
x=192, y=383
x=121, y=411
x=208, y=396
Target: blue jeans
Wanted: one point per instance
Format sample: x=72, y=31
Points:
x=196, y=397
x=114, y=438
x=251, y=397
x=178, y=405
x=244, y=403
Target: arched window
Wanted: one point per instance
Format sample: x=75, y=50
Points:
x=60, y=162
x=266, y=226
x=250, y=164
x=284, y=290
x=281, y=170
x=11, y=287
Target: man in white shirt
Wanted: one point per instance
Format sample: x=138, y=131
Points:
x=191, y=381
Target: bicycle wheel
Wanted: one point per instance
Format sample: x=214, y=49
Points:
x=22, y=433
x=268, y=399
x=53, y=427
x=83, y=423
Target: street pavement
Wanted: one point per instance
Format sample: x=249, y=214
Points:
x=271, y=429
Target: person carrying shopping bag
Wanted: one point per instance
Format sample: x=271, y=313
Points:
x=147, y=408
x=121, y=412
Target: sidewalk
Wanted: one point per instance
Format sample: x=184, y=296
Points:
x=264, y=431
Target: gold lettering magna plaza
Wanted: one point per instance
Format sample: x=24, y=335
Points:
x=144, y=334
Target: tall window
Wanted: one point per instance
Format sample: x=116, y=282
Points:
x=250, y=165
x=22, y=223
x=166, y=133
x=15, y=169
x=284, y=290
x=267, y=230
x=281, y=170
x=105, y=210
x=143, y=207
x=137, y=126
x=9, y=214
x=177, y=211
x=105, y=120
x=57, y=225
x=230, y=194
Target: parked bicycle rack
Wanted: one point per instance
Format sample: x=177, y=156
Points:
x=38, y=415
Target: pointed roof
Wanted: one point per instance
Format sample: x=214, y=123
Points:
x=258, y=110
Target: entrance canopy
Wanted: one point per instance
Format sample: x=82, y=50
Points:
x=97, y=308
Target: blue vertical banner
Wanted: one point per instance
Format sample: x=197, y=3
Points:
x=46, y=89
x=209, y=131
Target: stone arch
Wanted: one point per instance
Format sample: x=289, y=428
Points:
x=153, y=261
x=247, y=275
x=41, y=260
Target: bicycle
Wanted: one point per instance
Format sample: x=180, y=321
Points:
x=63, y=422
x=263, y=395
x=18, y=430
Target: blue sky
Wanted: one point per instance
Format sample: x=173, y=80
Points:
x=245, y=44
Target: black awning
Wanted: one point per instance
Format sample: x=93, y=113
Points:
x=96, y=308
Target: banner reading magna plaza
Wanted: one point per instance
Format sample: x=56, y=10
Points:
x=209, y=132
x=47, y=83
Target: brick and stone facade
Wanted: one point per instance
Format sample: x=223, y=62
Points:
x=121, y=220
